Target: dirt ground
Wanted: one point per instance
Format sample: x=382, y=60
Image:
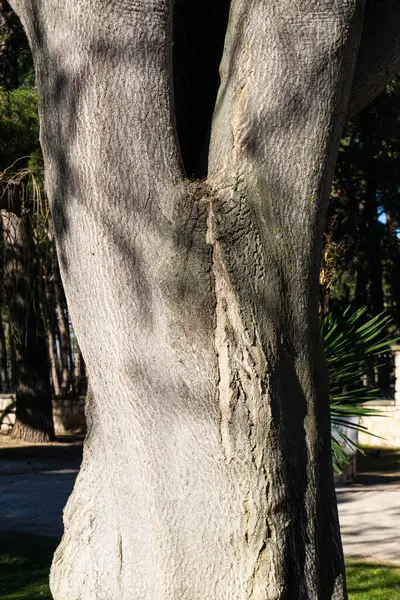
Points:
x=35, y=482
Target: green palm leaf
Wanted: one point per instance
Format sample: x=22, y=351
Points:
x=350, y=341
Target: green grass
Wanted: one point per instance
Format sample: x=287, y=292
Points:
x=24, y=566
x=25, y=562
x=369, y=581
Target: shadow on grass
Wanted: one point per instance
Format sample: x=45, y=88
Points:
x=371, y=581
x=25, y=561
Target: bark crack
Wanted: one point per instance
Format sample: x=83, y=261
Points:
x=243, y=397
x=120, y=558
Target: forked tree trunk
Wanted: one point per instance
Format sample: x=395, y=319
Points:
x=207, y=467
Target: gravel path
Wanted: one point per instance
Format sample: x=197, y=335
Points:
x=35, y=482
x=369, y=515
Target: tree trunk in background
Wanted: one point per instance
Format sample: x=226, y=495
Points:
x=393, y=279
x=80, y=375
x=49, y=317
x=34, y=417
x=53, y=362
x=53, y=359
x=8, y=55
x=13, y=379
x=70, y=356
x=373, y=248
x=369, y=290
x=376, y=297
x=207, y=471
x=63, y=329
x=4, y=383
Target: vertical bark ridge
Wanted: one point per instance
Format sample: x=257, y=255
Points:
x=245, y=421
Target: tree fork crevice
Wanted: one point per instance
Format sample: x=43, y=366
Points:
x=199, y=28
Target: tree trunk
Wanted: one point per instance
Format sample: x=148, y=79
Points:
x=207, y=470
x=382, y=372
x=4, y=385
x=369, y=289
x=70, y=356
x=63, y=328
x=49, y=317
x=80, y=374
x=373, y=241
x=34, y=417
x=53, y=360
x=392, y=279
x=9, y=79
x=13, y=379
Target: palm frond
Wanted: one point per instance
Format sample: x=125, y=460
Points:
x=350, y=341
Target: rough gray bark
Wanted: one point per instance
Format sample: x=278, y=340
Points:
x=207, y=466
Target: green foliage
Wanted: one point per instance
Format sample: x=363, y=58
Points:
x=24, y=191
x=19, y=124
x=350, y=342
x=365, y=208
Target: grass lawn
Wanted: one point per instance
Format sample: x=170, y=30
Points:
x=24, y=566
x=25, y=562
x=369, y=581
